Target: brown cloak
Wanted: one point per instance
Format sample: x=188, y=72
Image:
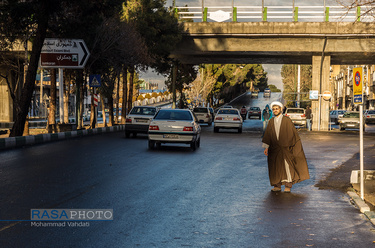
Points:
x=289, y=148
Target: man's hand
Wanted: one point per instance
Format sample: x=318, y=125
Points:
x=266, y=151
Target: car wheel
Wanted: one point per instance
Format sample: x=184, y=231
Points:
x=127, y=134
x=240, y=130
x=216, y=129
x=158, y=145
x=134, y=134
x=260, y=117
x=341, y=128
x=199, y=143
x=210, y=123
x=193, y=145
x=151, y=144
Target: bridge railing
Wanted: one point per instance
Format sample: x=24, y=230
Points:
x=273, y=13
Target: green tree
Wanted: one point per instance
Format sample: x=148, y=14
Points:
x=232, y=80
x=273, y=88
x=289, y=74
x=31, y=21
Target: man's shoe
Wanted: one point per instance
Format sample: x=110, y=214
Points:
x=276, y=189
x=287, y=190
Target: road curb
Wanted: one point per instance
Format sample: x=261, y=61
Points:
x=363, y=207
x=13, y=142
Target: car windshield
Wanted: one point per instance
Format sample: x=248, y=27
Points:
x=341, y=112
x=295, y=111
x=173, y=115
x=228, y=112
x=351, y=115
x=143, y=111
x=200, y=110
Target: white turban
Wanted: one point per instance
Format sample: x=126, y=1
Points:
x=277, y=104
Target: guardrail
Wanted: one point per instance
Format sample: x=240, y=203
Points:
x=273, y=13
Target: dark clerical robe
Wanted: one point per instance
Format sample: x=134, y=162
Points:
x=285, y=151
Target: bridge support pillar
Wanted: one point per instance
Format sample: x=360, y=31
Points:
x=324, y=105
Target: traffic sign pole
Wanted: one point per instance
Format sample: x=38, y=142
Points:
x=61, y=95
x=361, y=150
x=358, y=99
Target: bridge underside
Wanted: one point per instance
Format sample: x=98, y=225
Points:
x=266, y=57
x=276, y=43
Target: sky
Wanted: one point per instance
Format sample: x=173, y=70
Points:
x=274, y=71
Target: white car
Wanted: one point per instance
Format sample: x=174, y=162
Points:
x=174, y=126
x=138, y=120
x=228, y=118
x=297, y=115
x=335, y=115
x=203, y=115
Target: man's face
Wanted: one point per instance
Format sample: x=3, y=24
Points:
x=276, y=110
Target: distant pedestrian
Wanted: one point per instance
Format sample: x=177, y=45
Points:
x=308, y=118
x=286, y=159
x=266, y=116
x=243, y=112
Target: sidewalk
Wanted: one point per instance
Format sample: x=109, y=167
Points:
x=339, y=179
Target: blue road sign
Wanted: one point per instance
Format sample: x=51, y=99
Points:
x=94, y=80
x=314, y=94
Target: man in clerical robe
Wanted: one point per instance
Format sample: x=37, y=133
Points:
x=282, y=145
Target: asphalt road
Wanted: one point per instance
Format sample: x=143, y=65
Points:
x=217, y=196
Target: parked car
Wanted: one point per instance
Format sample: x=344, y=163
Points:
x=297, y=115
x=335, y=115
x=255, y=111
x=203, y=115
x=174, y=126
x=138, y=119
x=228, y=118
x=370, y=116
x=350, y=120
x=254, y=94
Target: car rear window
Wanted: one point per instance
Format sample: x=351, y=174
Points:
x=371, y=112
x=254, y=108
x=351, y=115
x=200, y=110
x=173, y=115
x=143, y=111
x=295, y=111
x=228, y=111
x=341, y=112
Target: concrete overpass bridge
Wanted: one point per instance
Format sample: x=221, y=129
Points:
x=320, y=44
x=318, y=35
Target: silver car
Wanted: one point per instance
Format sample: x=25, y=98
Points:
x=297, y=115
x=228, y=118
x=203, y=115
x=350, y=120
x=174, y=126
x=335, y=115
x=138, y=119
x=370, y=116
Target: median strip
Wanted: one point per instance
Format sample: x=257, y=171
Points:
x=13, y=142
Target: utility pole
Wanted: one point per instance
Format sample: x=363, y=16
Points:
x=299, y=87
